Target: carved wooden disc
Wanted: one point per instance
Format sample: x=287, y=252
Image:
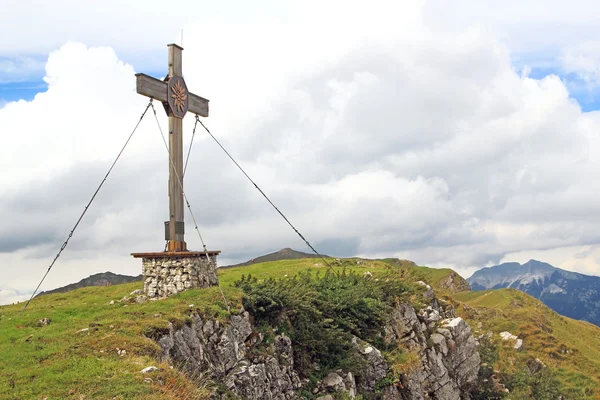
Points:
x=177, y=96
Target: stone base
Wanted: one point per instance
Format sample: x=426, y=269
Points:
x=169, y=273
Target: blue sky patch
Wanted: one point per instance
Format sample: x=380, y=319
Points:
x=587, y=96
x=26, y=90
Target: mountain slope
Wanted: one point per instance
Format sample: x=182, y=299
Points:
x=102, y=279
x=570, y=348
x=568, y=293
x=443, y=279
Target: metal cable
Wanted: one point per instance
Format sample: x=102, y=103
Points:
x=186, y=200
x=178, y=179
x=263, y=193
x=87, y=207
x=190, y=149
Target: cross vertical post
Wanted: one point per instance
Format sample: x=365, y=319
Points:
x=174, y=95
x=176, y=211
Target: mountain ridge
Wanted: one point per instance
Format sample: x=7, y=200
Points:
x=100, y=279
x=571, y=294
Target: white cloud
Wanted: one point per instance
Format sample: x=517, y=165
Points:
x=8, y=296
x=583, y=60
x=399, y=139
x=536, y=31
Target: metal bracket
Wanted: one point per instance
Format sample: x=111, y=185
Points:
x=179, y=229
x=167, y=233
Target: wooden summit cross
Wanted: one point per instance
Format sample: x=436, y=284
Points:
x=176, y=269
x=177, y=101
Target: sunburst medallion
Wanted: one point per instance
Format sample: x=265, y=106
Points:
x=179, y=96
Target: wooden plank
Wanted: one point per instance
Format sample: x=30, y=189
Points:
x=151, y=87
x=176, y=209
x=175, y=62
x=198, y=105
x=180, y=254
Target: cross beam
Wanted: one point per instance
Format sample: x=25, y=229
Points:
x=157, y=89
x=173, y=93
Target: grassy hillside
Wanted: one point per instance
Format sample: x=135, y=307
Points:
x=571, y=348
x=79, y=355
x=436, y=277
x=62, y=361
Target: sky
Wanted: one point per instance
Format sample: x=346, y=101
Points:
x=455, y=134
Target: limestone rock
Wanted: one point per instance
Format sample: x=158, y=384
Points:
x=220, y=350
x=334, y=382
x=508, y=336
x=535, y=365
x=518, y=345
x=449, y=361
x=518, y=342
x=374, y=368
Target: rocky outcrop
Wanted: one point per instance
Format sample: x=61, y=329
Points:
x=444, y=365
x=454, y=283
x=448, y=357
x=221, y=351
x=375, y=367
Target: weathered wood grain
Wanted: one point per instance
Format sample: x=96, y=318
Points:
x=161, y=91
x=151, y=87
x=175, y=63
x=198, y=105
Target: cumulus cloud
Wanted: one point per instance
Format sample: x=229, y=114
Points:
x=398, y=140
x=8, y=296
x=583, y=59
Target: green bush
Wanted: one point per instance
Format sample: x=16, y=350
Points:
x=321, y=313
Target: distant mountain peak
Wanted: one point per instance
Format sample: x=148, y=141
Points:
x=286, y=253
x=569, y=293
x=100, y=279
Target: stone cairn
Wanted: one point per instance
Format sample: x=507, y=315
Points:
x=166, y=274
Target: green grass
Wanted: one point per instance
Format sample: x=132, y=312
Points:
x=58, y=361
x=431, y=276
x=570, y=347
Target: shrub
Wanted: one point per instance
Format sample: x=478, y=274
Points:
x=321, y=313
